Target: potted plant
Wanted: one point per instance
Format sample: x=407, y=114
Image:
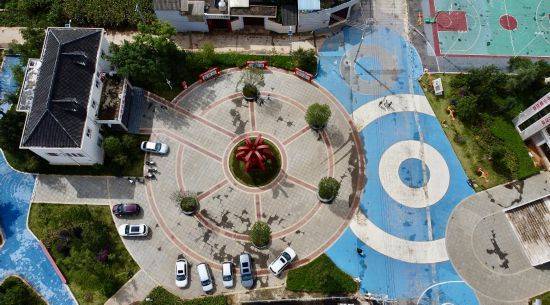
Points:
x=328, y=189
x=188, y=203
x=250, y=92
x=317, y=116
x=260, y=235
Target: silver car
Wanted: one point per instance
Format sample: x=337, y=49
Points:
x=154, y=147
x=245, y=262
x=205, y=277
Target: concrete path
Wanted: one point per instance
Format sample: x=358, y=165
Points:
x=235, y=42
x=135, y=290
x=484, y=248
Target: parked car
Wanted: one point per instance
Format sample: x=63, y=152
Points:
x=281, y=262
x=133, y=230
x=205, y=277
x=247, y=279
x=181, y=273
x=154, y=147
x=126, y=209
x=228, y=277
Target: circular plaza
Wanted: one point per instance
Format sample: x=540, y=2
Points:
x=203, y=126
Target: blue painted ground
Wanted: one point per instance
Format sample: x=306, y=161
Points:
x=21, y=253
x=379, y=274
x=8, y=84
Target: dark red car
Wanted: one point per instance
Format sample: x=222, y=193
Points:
x=126, y=209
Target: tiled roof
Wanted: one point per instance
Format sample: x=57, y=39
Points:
x=59, y=108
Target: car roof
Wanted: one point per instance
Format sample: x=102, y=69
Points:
x=181, y=263
x=226, y=267
x=150, y=145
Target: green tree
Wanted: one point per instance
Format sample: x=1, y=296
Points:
x=305, y=60
x=152, y=59
x=260, y=234
x=112, y=146
x=14, y=291
x=32, y=47
x=129, y=143
x=317, y=115
x=11, y=125
x=467, y=110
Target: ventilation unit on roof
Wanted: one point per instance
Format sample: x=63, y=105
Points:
x=78, y=57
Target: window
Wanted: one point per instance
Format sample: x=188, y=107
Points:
x=97, y=83
x=79, y=155
x=53, y=154
x=100, y=142
x=88, y=132
x=533, y=119
x=93, y=103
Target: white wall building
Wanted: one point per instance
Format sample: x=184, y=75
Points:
x=533, y=125
x=61, y=96
x=234, y=15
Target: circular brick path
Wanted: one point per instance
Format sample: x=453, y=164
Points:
x=204, y=123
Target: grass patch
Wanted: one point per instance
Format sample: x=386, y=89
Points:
x=470, y=143
x=320, y=275
x=15, y=291
x=255, y=178
x=161, y=296
x=85, y=245
x=545, y=298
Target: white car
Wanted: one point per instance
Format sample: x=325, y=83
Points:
x=228, y=277
x=279, y=264
x=154, y=147
x=128, y=230
x=181, y=273
x=205, y=277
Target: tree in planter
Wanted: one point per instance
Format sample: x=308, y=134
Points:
x=188, y=203
x=328, y=189
x=317, y=116
x=260, y=234
x=252, y=78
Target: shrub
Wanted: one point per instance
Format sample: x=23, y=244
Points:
x=305, y=60
x=328, y=188
x=250, y=91
x=14, y=291
x=260, y=234
x=188, y=203
x=161, y=296
x=317, y=115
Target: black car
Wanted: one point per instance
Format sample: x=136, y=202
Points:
x=126, y=209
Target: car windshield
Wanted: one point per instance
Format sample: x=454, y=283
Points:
x=205, y=282
x=245, y=264
x=227, y=278
x=180, y=277
x=157, y=147
x=127, y=229
x=286, y=256
x=246, y=277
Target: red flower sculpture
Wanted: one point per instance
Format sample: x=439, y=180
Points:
x=254, y=154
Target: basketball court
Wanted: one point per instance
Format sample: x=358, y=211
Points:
x=491, y=27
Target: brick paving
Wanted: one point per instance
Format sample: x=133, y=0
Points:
x=201, y=126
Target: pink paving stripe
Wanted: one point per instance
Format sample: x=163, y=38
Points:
x=232, y=235
x=302, y=183
x=189, y=144
x=285, y=98
x=252, y=116
x=52, y=262
x=197, y=257
x=296, y=135
x=300, y=223
x=215, y=104
x=213, y=189
x=179, y=164
x=258, y=206
x=195, y=117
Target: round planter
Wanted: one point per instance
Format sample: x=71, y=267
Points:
x=323, y=200
x=190, y=213
x=261, y=248
x=249, y=98
x=317, y=128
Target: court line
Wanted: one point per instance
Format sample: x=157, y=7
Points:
x=509, y=32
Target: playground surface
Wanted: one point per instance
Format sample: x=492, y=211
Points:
x=414, y=179
x=491, y=27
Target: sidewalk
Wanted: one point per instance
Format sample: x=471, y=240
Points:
x=222, y=42
x=135, y=290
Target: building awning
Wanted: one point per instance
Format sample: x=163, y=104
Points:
x=238, y=3
x=309, y=5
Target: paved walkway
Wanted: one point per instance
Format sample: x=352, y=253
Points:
x=22, y=254
x=135, y=290
x=484, y=248
x=242, y=43
x=413, y=176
